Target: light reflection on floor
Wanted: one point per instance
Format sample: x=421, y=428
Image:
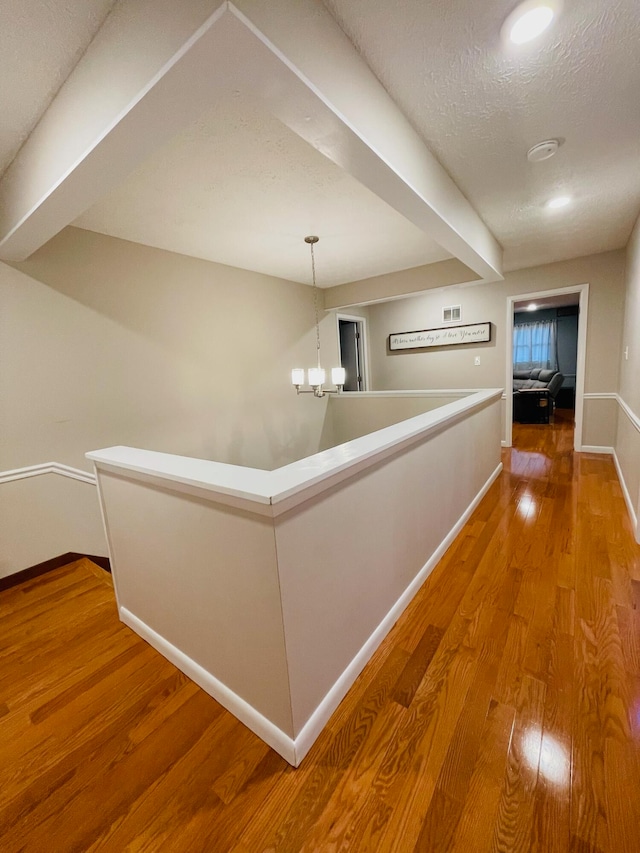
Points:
x=544, y=754
x=527, y=505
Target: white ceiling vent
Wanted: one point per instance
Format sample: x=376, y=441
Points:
x=451, y=313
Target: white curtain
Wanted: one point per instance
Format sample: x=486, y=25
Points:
x=535, y=345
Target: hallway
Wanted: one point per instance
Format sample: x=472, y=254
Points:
x=502, y=712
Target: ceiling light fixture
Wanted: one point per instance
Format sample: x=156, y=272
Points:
x=532, y=306
x=529, y=20
x=558, y=202
x=316, y=375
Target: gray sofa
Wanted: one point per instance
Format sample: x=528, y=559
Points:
x=534, y=393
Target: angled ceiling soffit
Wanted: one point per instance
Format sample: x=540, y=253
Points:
x=290, y=55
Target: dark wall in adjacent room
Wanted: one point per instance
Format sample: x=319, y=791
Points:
x=567, y=337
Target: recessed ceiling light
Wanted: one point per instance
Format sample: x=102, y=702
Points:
x=558, y=201
x=529, y=20
x=532, y=306
x=543, y=150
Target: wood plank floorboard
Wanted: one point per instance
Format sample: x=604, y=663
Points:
x=501, y=713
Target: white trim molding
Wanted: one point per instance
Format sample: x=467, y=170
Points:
x=633, y=511
x=611, y=395
x=627, y=497
x=48, y=468
x=283, y=744
x=635, y=420
x=596, y=448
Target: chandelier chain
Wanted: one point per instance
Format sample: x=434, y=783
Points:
x=315, y=302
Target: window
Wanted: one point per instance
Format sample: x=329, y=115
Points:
x=535, y=345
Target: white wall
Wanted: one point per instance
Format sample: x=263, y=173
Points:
x=451, y=367
x=627, y=440
x=106, y=342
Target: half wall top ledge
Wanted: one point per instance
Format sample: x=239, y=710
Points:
x=130, y=93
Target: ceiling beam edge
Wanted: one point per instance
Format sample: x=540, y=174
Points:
x=306, y=36
x=292, y=55
x=399, y=285
x=120, y=66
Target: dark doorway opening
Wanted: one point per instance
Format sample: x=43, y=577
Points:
x=352, y=353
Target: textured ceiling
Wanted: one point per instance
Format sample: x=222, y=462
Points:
x=40, y=43
x=240, y=188
x=480, y=107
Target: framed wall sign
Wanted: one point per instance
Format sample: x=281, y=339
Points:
x=472, y=333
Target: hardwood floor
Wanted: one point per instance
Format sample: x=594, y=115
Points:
x=502, y=713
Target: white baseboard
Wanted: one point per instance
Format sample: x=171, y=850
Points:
x=242, y=710
x=294, y=750
x=47, y=468
x=627, y=498
x=596, y=448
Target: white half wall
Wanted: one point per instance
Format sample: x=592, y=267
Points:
x=273, y=589
x=346, y=556
x=204, y=576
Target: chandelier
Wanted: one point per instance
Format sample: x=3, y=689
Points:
x=316, y=375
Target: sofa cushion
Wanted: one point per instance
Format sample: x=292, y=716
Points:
x=546, y=375
x=555, y=383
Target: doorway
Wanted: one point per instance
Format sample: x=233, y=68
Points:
x=548, y=297
x=351, y=341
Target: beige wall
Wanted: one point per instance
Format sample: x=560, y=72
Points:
x=379, y=529
x=352, y=416
x=45, y=516
x=213, y=575
x=630, y=367
x=106, y=342
x=627, y=442
x=453, y=367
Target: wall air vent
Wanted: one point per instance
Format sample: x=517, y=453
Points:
x=451, y=313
